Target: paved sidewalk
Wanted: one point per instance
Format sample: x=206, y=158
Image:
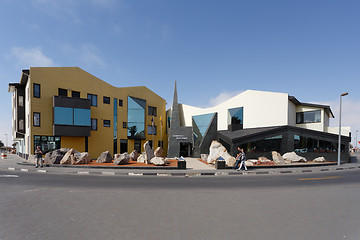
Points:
x=194, y=168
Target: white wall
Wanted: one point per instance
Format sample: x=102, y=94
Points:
x=312, y=126
x=27, y=104
x=292, y=114
x=261, y=109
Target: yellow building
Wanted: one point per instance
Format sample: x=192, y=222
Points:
x=66, y=107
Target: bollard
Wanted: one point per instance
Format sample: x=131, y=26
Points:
x=181, y=164
x=220, y=164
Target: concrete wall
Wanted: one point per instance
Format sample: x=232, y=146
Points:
x=261, y=109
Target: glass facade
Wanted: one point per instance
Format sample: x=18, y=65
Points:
x=72, y=116
x=264, y=145
x=306, y=144
x=136, y=118
x=47, y=143
x=236, y=118
x=308, y=117
x=200, y=125
x=115, y=124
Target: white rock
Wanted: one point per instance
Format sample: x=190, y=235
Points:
x=159, y=152
x=293, y=157
x=149, y=151
x=277, y=158
x=68, y=158
x=31, y=159
x=249, y=163
x=217, y=150
x=319, y=159
x=158, y=161
x=142, y=158
x=121, y=159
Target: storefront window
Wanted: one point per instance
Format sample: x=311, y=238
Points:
x=47, y=143
x=265, y=145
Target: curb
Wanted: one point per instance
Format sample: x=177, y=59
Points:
x=189, y=174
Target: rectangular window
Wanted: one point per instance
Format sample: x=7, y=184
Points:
x=36, y=119
x=21, y=124
x=106, y=123
x=21, y=101
x=93, y=99
x=36, y=89
x=151, y=130
x=62, y=92
x=63, y=116
x=120, y=103
x=123, y=145
x=136, y=118
x=106, y=100
x=137, y=145
x=82, y=117
x=94, y=124
x=161, y=144
x=75, y=94
x=152, y=111
x=308, y=117
x=47, y=143
x=124, y=124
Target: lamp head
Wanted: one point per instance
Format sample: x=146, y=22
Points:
x=344, y=94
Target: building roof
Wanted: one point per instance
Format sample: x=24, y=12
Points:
x=326, y=108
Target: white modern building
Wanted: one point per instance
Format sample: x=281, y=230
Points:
x=260, y=122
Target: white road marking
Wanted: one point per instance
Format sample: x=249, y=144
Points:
x=9, y=176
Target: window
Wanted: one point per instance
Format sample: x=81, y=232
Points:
x=308, y=117
x=137, y=145
x=93, y=99
x=235, y=119
x=264, y=145
x=106, y=123
x=152, y=111
x=201, y=124
x=62, y=92
x=123, y=145
x=75, y=94
x=47, y=143
x=120, y=103
x=71, y=116
x=94, y=124
x=136, y=118
x=21, y=101
x=36, y=119
x=151, y=130
x=161, y=144
x=124, y=124
x=21, y=124
x=36, y=89
x=106, y=100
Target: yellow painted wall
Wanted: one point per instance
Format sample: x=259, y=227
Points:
x=73, y=78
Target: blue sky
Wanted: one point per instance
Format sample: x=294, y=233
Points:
x=214, y=49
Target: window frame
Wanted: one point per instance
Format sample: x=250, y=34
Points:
x=77, y=92
x=92, y=128
x=152, y=111
x=106, y=100
x=35, y=93
x=106, y=125
x=61, y=92
x=92, y=97
x=35, y=113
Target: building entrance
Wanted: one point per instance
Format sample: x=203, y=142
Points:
x=185, y=149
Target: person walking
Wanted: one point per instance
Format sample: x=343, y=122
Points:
x=242, y=158
x=38, y=153
x=236, y=165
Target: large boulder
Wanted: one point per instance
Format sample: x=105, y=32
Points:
x=148, y=151
x=82, y=158
x=142, y=158
x=217, y=150
x=249, y=163
x=159, y=152
x=134, y=155
x=293, y=157
x=319, y=159
x=68, y=158
x=204, y=157
x=54, y=157
x=105, y=157
x=278, y=159
x=121, y=159
x=158, y=161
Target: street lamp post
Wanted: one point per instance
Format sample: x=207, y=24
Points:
x=356, y=143
x=6, y=142
x=339, y=146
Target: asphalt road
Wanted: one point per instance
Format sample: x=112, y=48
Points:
x=55, y=206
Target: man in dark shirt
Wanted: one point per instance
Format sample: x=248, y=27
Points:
x=38, y=154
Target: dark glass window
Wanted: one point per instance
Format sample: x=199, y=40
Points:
x=235, y=119
x=123, y=145
x=94, y=124
x=71, y=116
x=161, y=144
x=124, y=124
x=120, y=103
x=151, y=130
x=152, y=111
x=137, y=145
x=106, y=100
x=36, y=89
x=47, y=144
x=75, y=94
x=264, y=145
x=106, y=123
x=62, y=92
x=36, y=119
x=308, y=117
x=136, y=118
x=93, y=99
